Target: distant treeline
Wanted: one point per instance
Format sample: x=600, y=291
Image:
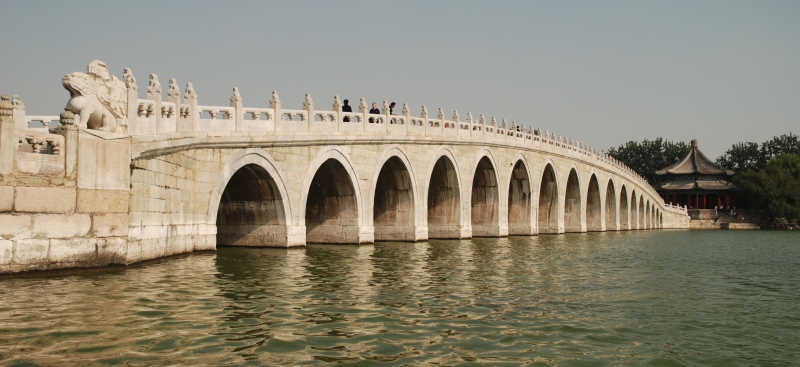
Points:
x=767, y=174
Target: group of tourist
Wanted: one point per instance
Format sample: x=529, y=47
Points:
x=373, y=111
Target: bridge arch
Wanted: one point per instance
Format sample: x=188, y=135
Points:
x=520, y=200
x=249, y=204
x=624, y=209
x=634, y=210
x=640, y=211
x=594, y=207
x=331, y=205
x=572, y=203
x=443, y=196
x=548, y=217
x=394, y=196
x=485, y=196
x=611, y=207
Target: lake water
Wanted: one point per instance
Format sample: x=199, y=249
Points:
x=659, y=298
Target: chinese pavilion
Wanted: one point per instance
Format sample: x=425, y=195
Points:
x=696, y=182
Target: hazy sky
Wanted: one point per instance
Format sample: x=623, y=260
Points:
x=601, y=72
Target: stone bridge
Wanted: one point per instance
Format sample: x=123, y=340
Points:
x=165, y=177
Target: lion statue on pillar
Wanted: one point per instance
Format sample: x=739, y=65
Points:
x=98, y=97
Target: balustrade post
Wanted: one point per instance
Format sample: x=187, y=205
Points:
x=68, y=130
x=18, y=113
x=236, y=103
x=154, y=94
x=8, y=141
x=362, y=109
x=275, y=104
x=133, y=102
x=337, y=108
x=190, y=98
x=424, y=116
x=385, y=115
x=308, y=106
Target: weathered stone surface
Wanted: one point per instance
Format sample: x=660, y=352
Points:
x=61, y=225
x=103, y=161
x=74, y=250
x=110, y=225
x=6, y=198
x=6, y=252
x=103, y=201
x=113, y=250
x=12, y=225
x=31, y=251
x=45, y=199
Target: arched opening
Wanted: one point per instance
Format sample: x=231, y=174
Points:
x=331, y=207
x=251, y=210
x=611, y=207
x=548, y=202
x=648, y=224
x=594, y=208
x=444, y=201
x=642, y=224
x=393, y=208
x=658, y=218
x=519, y=201
x=572, y=204
x=624, y=217
x=485, y=201
x=634, y=211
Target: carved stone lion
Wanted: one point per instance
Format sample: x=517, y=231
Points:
x=99, y=98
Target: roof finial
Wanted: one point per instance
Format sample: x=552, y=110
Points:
x=694, y=143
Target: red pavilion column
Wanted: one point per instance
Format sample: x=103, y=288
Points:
x=704, y=202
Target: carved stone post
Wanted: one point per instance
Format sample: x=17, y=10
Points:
x=8, y=143
x=154, y=94
x=68, y=130
x=190, y=98
x=308, y=106
x=424, y=115
x=337, y=107
x=133, y=101
x=275, y=104
x=236, y=103
x=362, y=109
x=19, y=113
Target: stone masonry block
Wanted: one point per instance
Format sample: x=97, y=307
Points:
x=12, y=225
x=110, y=225
x=73, y=250
x=31, y=251
x=6, y=198
x=61, y=225
x=103, y=201
x=6, y=251
x=45, y=199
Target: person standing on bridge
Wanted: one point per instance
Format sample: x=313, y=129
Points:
x=375, y=111
x=391, y=109
x=346, y=108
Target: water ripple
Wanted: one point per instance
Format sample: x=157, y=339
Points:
x=657, y=298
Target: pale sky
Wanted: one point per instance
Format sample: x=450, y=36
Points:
x=601, y=72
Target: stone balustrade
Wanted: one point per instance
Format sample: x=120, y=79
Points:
x=263, y=120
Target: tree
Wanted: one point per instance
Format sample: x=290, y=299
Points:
x=650, y=156
x=743, y=156
x=774, y=189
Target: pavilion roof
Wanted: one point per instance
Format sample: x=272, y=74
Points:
x=695, y=162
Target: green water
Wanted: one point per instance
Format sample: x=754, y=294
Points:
x=657, y=298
